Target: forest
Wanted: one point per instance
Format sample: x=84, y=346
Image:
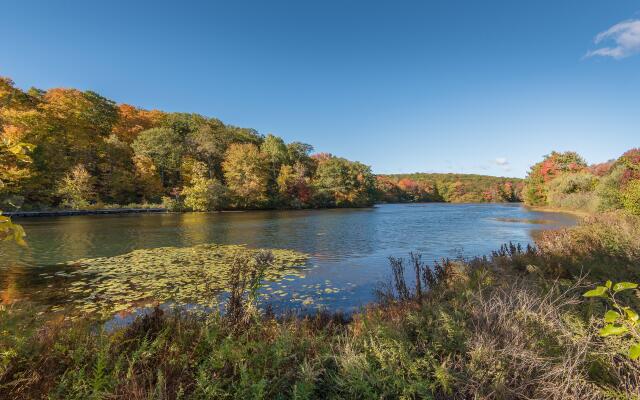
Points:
x=66, y=148
x=450, y=188
x=79, y=150
x=565, y=181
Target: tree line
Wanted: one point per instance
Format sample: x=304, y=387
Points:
x=78, y=149
x=452, y=188
x=566, y=181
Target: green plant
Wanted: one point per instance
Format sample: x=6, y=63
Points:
x=620, y=320
x=11, y=231
x=631, y=197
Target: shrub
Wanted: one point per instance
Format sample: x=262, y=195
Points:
x=608, y=190
x=172, y=203
x=573, y=191
x=631, y=197
x=600, y=241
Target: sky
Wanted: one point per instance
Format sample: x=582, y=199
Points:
x=484, y=87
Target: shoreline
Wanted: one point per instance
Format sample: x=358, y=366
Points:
x=577, y=213
x=115, y=211
x=69, y=213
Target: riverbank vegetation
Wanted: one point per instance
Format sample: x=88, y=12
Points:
x=514, y=324
x=565, y=181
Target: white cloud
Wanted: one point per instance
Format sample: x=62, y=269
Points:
x=501, y=161
x=626, y=37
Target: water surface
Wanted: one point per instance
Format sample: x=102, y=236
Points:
x=349, y=248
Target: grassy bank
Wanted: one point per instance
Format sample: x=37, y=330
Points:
x=577, y=213
x=510, y=325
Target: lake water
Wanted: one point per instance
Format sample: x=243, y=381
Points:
x=348, y=248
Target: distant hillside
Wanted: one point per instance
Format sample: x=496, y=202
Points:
x=453, y=188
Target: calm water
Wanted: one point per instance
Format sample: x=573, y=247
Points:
x=348, y=247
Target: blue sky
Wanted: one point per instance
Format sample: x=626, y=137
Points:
x=465, y=86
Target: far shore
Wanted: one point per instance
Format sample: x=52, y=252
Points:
x=115, y=211
x=64, y=213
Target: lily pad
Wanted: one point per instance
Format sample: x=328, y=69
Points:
x=188, y=275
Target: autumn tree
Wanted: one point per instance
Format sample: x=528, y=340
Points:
x=340, y=182
x=246, y=172
x=535, y=192
x=203, y=193
x=147, y=180
x=210, y=141
x=77, y=188
x=294, y=186
x=132, y=120
x=275, y=151
x=115, y=172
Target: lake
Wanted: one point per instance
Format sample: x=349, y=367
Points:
x=348, y=248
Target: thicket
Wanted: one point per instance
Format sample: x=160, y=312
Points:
x=565, y=181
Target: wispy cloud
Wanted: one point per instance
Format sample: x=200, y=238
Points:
x=626, y=37
x=501, y=161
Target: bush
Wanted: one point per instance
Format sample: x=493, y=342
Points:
x=172, y=203
x=631, y=197
x=607, y=243
x=573, y=191
x=608, y=190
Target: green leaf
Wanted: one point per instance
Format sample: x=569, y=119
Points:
x=618, y=287
x=611, y=316
x=610, y=330
x=597, y=292
x=634, y=351
x=608, y=284
x=631, y=315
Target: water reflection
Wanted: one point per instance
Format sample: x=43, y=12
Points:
x=349, y=247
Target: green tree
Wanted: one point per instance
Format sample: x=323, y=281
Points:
x=608, y=190
x=165, y=146
x=275, y=151
x=115, y=181
x=210, y=141
x=246, y=172
x=340, y=182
